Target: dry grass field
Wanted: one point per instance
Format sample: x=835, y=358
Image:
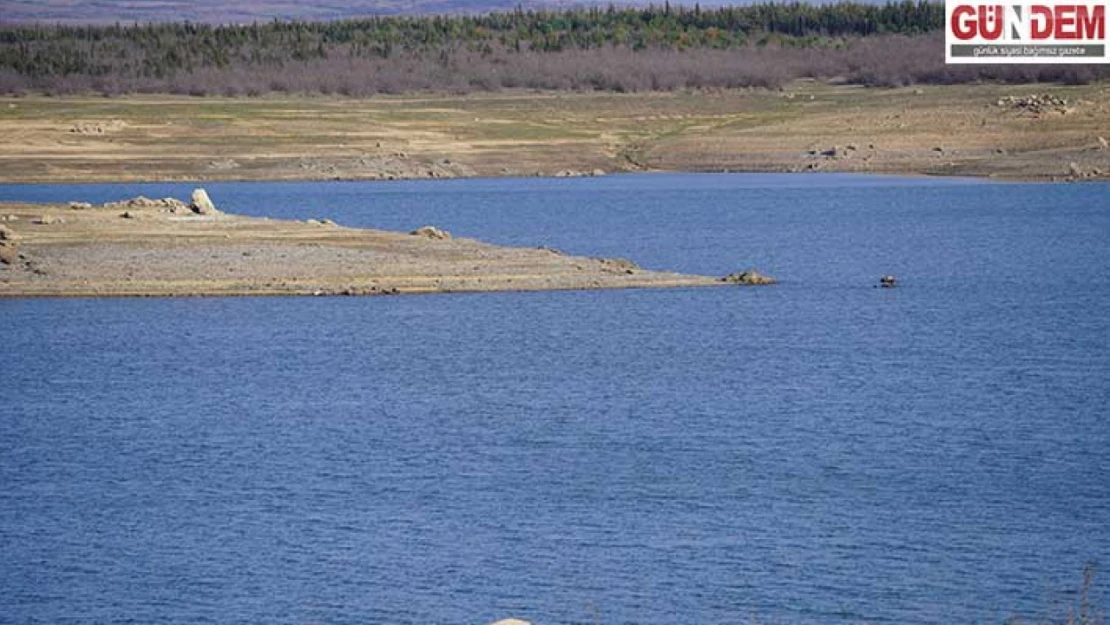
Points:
x=977, y=130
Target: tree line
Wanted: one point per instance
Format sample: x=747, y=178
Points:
x=623, y=49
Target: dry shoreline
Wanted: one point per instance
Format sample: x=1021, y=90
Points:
x=1013, y=132
x=1027, y=132
x=158, y=248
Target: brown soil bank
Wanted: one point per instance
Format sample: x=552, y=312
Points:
x=167, y=247
x=1041, y=132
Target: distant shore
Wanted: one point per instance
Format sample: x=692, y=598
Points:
x=1023, y=132
x=165, y=247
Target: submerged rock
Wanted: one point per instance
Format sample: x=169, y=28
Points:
x=431, y=232
x=749, y=278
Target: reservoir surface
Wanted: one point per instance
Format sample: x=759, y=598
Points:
x=819, y=451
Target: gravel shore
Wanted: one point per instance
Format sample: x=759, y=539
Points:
x=165, y=249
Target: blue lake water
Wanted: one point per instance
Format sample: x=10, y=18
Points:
x=816, y=452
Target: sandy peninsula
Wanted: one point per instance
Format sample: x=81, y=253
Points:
x=169, y=247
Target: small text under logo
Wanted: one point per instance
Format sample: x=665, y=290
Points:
x=1026, y=31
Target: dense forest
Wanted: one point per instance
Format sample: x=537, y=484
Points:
x=621, y=49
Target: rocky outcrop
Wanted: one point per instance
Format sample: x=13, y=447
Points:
x=165, y=205
x=431, y=232
x=202, y=204
x=9, y=252
x=396, y=165
x=575, y=173
x=835, y=152
x=1079, y=172
x=12, y=258
x=1037, y=104
x=618, y=265
x=98, y=128
x=750, y=277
